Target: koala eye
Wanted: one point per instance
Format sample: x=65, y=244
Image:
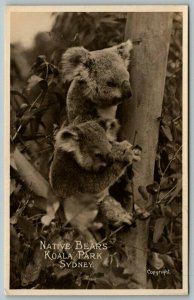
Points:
x=98, y=155
x=112, y=125
x=65, y=135
x=111, y=83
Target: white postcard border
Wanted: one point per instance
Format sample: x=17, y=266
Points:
x=95, y=8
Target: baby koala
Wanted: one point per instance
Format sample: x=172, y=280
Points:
x=85, y=162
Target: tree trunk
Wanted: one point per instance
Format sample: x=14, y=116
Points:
x=141, y=115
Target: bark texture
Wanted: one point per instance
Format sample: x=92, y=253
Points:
x=140, y=116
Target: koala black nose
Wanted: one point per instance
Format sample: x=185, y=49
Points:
x=126, y=89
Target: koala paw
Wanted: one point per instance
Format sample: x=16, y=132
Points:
x=120, y=151
x=128, y=154
x=124, y=151
x=125, y=145
x=137, y=153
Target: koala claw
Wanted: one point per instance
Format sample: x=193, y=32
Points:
x=124, y=151
x=127, y=151
x=131, y=153
x=137, y=154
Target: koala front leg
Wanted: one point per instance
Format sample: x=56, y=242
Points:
x=121, y=157
x=97, y=182
x=124, y=151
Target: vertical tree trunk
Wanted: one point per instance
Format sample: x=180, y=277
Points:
x=140, y=116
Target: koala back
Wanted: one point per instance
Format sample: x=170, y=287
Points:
x=99, y=79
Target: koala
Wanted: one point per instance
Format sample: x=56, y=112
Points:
x=85, y=162
x=99, y=81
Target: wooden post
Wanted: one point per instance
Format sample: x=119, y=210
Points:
x=140, y=116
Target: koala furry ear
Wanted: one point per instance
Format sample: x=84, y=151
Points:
x=124, y=50
x=73, y=60
x=66, y=139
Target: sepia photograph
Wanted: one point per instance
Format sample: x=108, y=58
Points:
x=96, y=168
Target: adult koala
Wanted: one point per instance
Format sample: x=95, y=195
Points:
x=99, y=81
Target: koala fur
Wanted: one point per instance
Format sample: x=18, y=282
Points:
x=99, y=81
x=85, y=162
x=111, y=127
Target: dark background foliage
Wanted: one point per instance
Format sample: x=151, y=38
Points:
x=37, y=101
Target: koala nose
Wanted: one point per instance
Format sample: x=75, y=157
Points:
x=126, y=89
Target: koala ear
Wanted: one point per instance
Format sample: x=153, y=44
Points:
x=67, y=139
x=124, y=50
x=73, y=60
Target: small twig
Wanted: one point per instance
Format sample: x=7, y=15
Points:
x=159, y=201
x=134, y=139
x=105, y=239
x=174, y=156
x=37, y=98
x=22, y=208
x=35, y=217
x=30, y=108
x=113, y=233
x=176, y=119
x=18, y=130
x=166, y=169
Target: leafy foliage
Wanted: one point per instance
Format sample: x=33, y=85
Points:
x=37, y=109
x=165, y=236
x=91, y=30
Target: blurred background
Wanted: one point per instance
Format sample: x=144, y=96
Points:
x=49, y=34
x=26, y=25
